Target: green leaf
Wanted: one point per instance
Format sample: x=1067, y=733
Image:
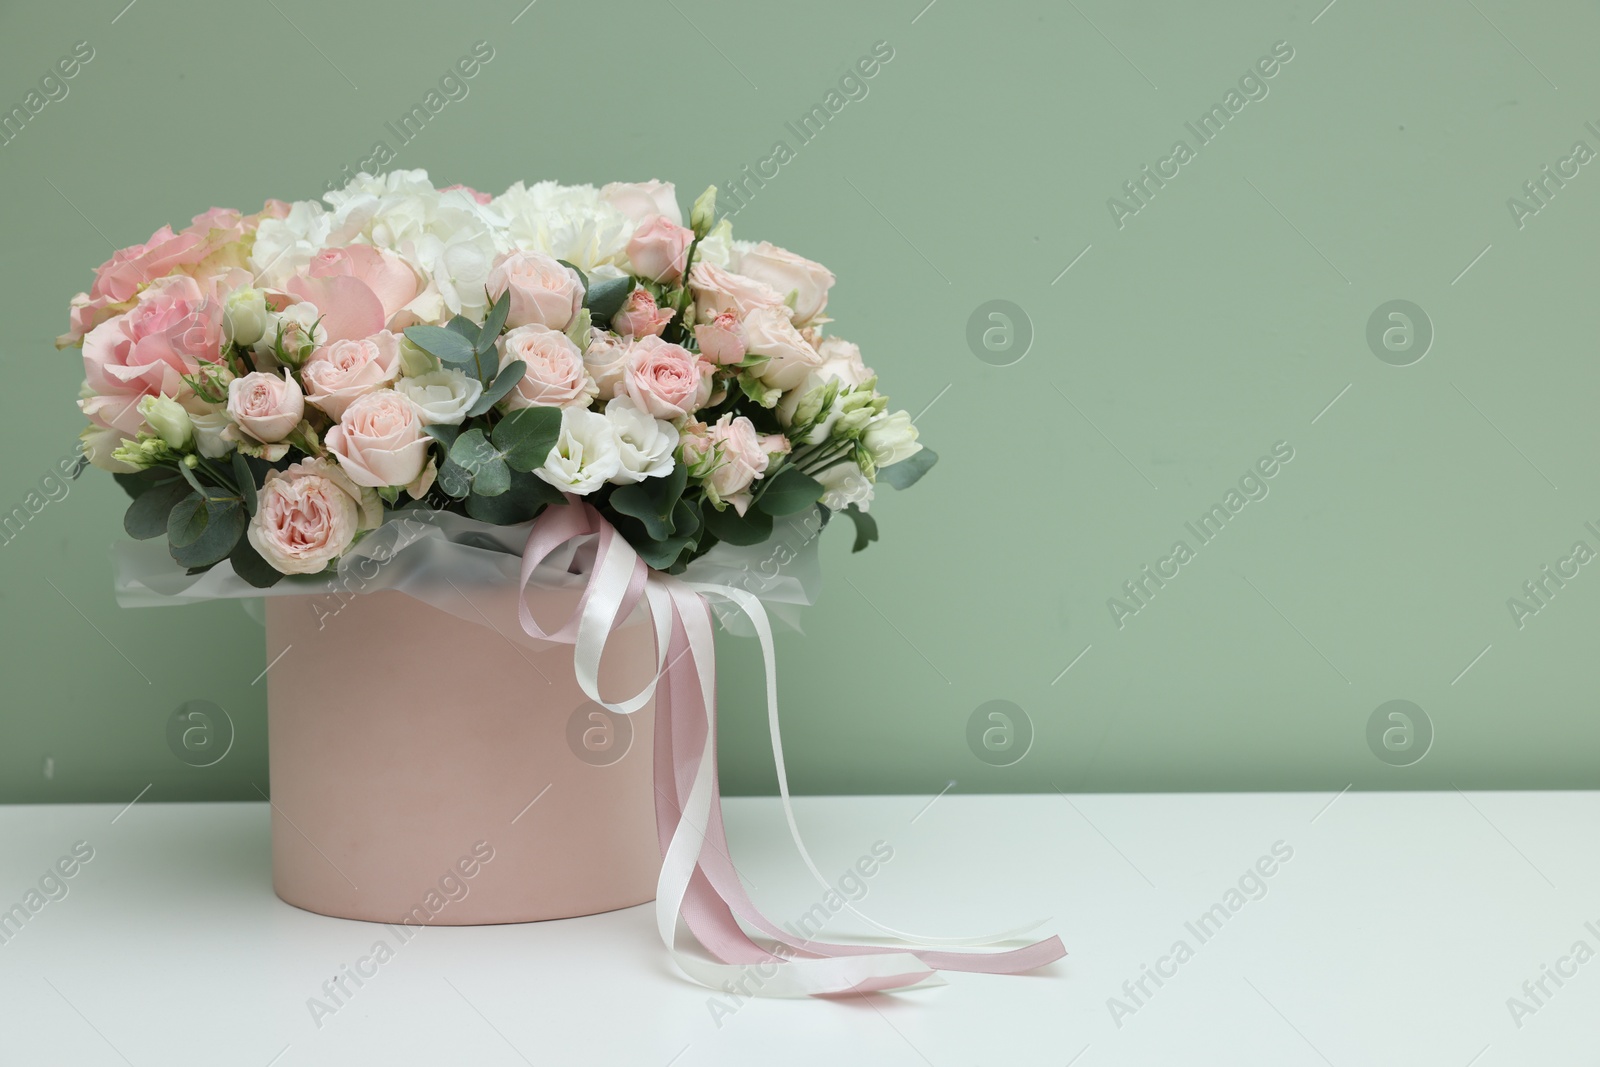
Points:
x=503, y=383
x=526, y=436
x=447, y=345
x=604, y=299
x=727, y=525
x=138, y=482
x=653, y=502
x=203, y=529
x=485, y=467
x=866, y=527
x=246, y=479
x=248, y=564
x=453, y=479
x=527, y=496
x=494, y=322
x=445, y=435
x=465, y=327
x=582, y=277
x=790, y=490
x=662, y=554
x=147, y=515
x=904, y=475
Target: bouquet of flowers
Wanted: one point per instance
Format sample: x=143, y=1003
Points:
x=270, y=387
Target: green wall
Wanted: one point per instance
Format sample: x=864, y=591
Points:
x=1187, y=340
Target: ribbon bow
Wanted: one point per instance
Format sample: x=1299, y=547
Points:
x=699, y=887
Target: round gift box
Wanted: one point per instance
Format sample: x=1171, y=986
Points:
x=431, y=770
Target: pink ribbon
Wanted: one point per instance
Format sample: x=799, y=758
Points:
x=699, y=890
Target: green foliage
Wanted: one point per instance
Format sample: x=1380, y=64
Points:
x=204, y=526
x=147, y=515
x=526, y=436
x=604, y=299
x=907, y=472
x=788, y=491
x=752, y=528
x=866, y=527
x=503, y=383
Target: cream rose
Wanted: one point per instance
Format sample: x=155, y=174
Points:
x=542, y=290
x=768, y=332
x=788, y=273
x=338, y=373
x=265, y=406
x=665, y=380
x=309, y=514
x=379, y=440
x=717, y=290
x=643, y=200
x=555, y=376
x=441, y=397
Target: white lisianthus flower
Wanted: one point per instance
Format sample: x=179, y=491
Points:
x=247, y=316
x=645, y=444
x=891, y=437
x=843, y=484
x=441, y=397
x=585, y=456
x=209, y=429
x=168, y=420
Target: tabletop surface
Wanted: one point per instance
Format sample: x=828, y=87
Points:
x=1447, y=929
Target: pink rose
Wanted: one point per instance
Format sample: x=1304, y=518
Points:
x=309, y=514
x=722, y=339
x=788, y=273
x=716, y=291
x=665, y=380
x=555, y=376
x=696, y=445
x=266, y=407
x=338, y=373
x=658, y=248
x=543, y=292
x=120, y=277
x=172, y=328
x=606, y=359
x=379, y=440
x=642, y=200
x=768, y=332
x=389, y=278
x=742, y=457
x=640, y=317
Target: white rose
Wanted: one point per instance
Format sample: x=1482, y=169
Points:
x=645, y=444
x=441, y=397
x=768, y=332
x=585, y=456
x=891, y=437
x=843, y=484
x=788, y=273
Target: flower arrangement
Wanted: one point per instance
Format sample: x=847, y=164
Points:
x=270, y=387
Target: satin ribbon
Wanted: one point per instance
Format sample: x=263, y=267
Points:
x=699, y=891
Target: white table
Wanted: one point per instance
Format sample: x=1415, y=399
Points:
x=1395, y=934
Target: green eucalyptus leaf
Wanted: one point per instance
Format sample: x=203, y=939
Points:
x=526, y=436
x=491, y=478
x=604, y=299
x=453, y=479
x=905, y=474
x=494, y=322
x=203, y=529
x=147, y=515
x=662, y=554
x=866, y=527
x=503, y=383
x=465, y=327
x=526, y=497
x=728, y=525
x=637, y=501
x=789, y=491
x=136, y=483
x=445, y=435
x=248, y=564
x=447, y=345
x=246, y=479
